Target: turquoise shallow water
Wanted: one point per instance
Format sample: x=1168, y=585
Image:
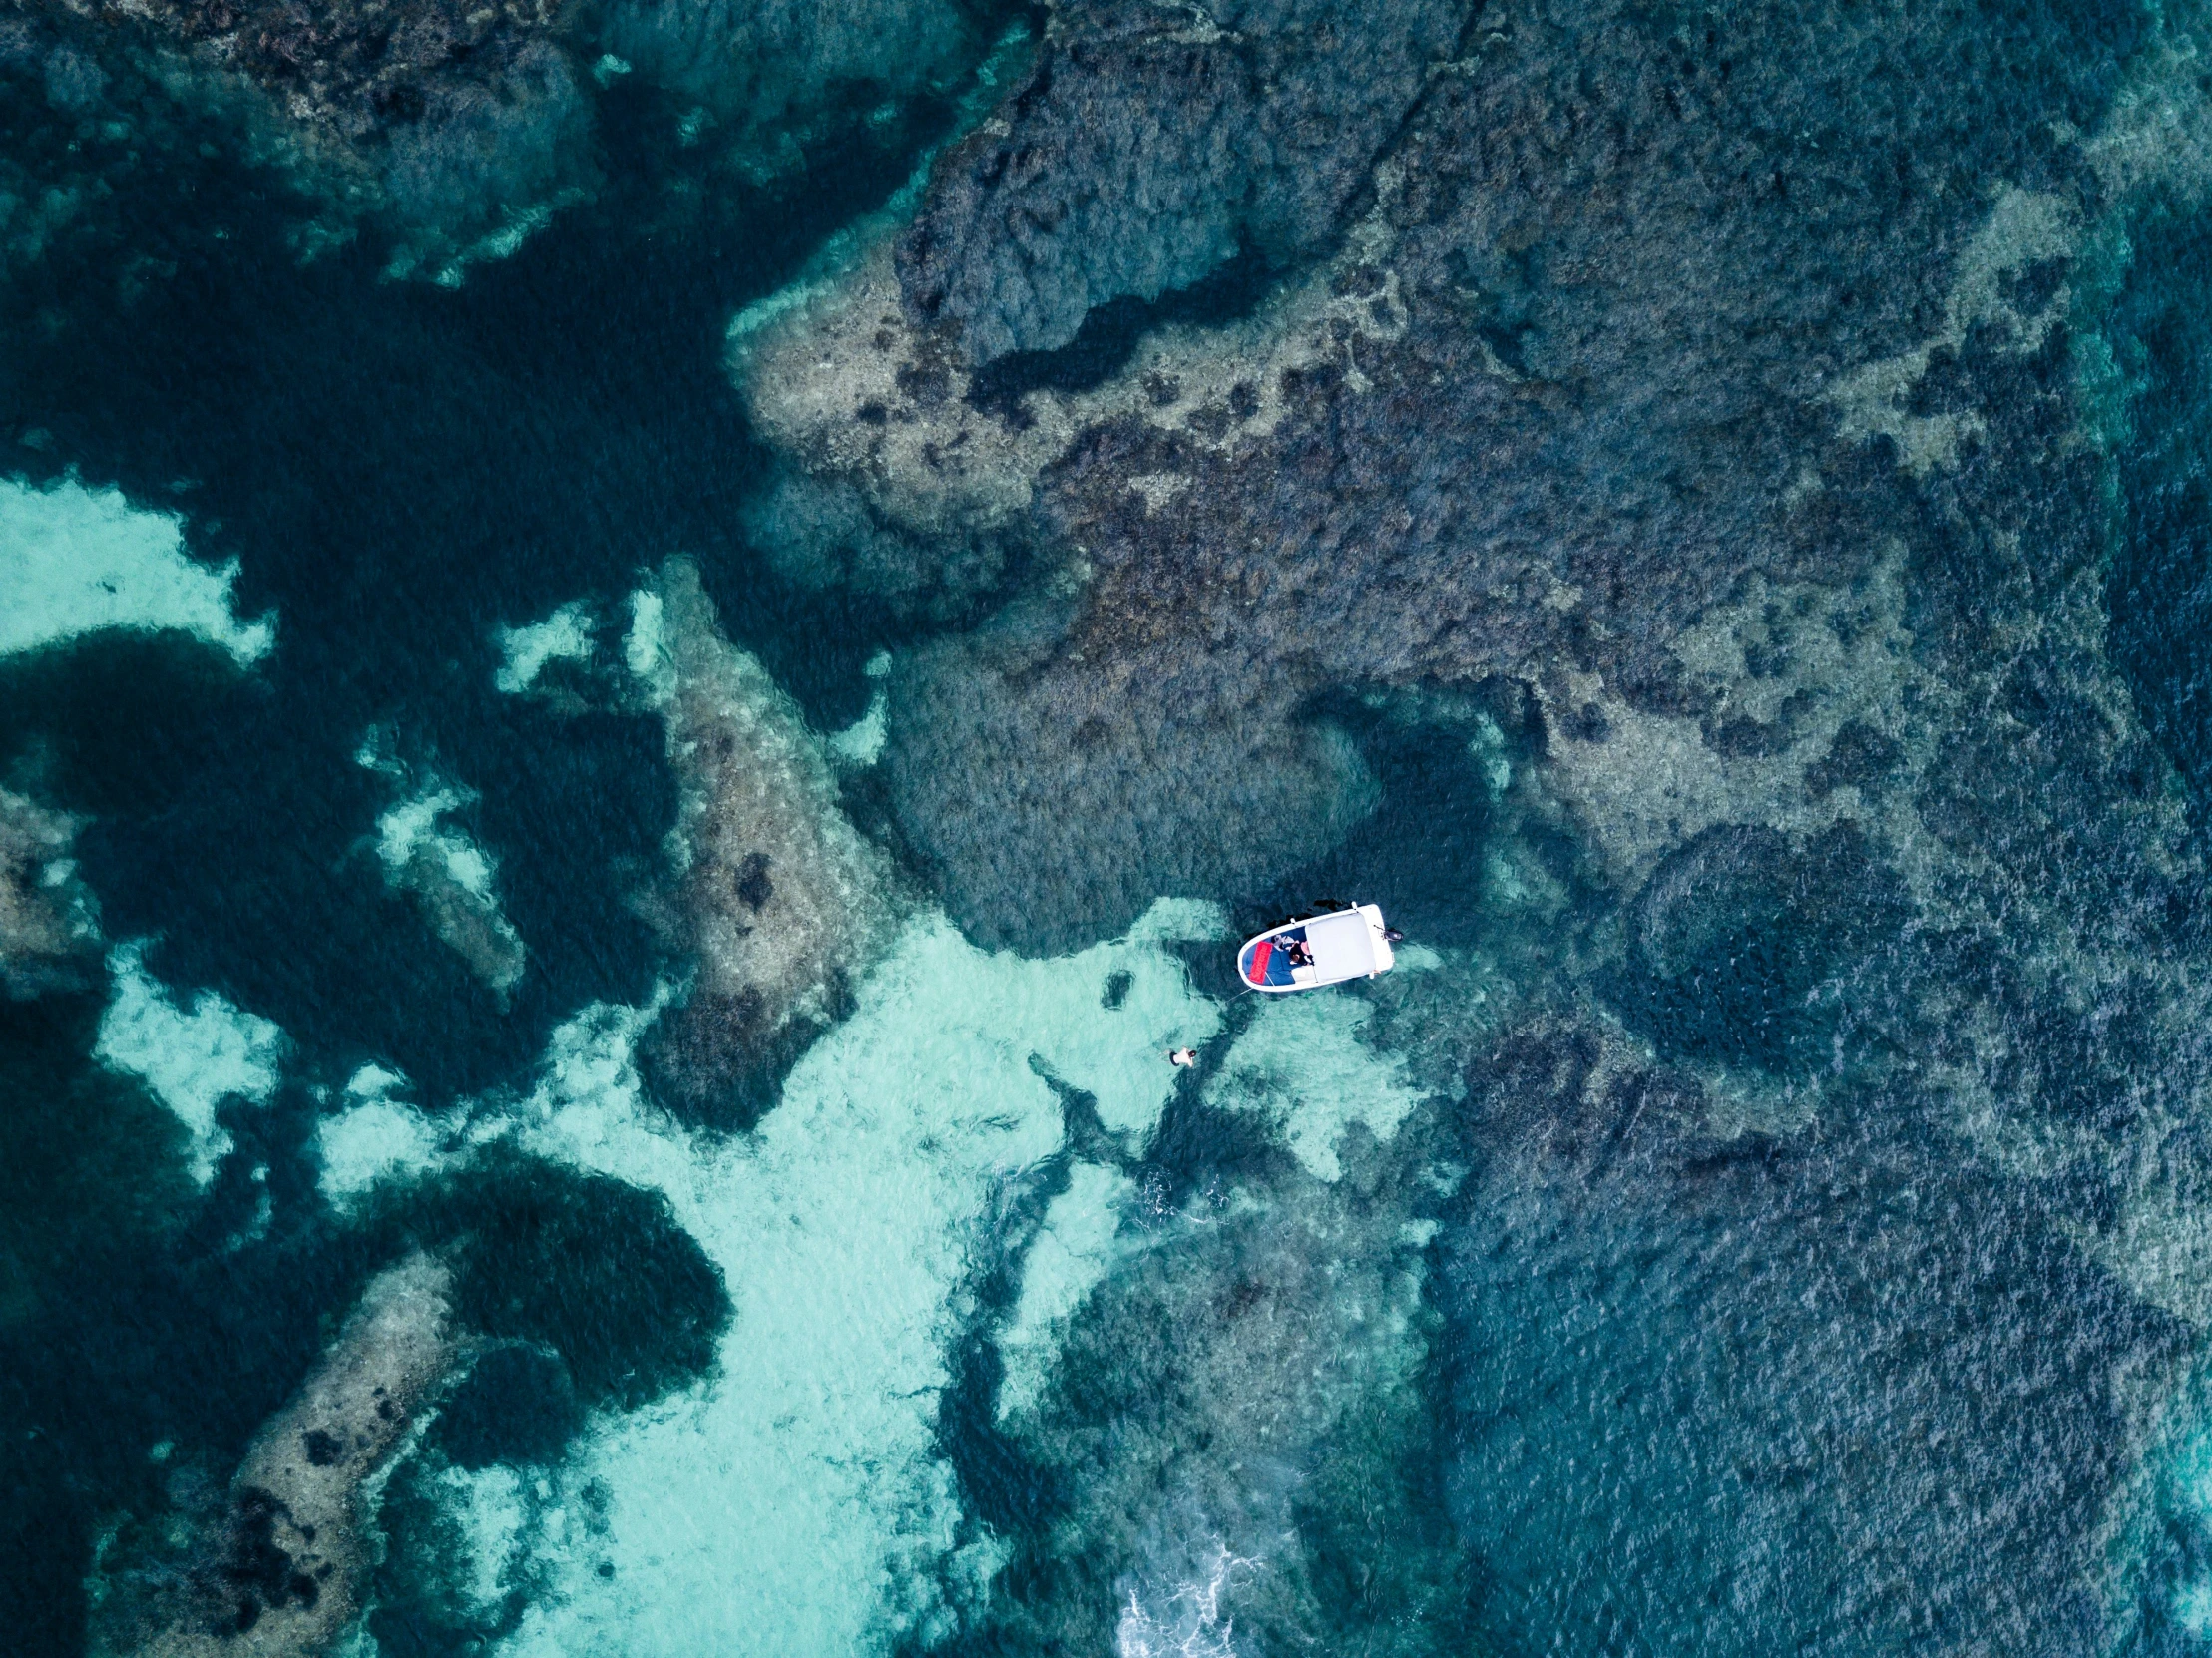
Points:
x=482, y=930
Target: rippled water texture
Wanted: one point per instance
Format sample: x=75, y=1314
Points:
x=652, y=654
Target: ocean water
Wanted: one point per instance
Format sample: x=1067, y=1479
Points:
x=1768, y=1207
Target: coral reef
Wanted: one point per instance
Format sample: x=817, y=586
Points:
x=779, y=902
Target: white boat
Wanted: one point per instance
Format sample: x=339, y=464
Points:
x=1325, y=950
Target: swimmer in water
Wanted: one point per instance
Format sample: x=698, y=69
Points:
x=1183, y=1057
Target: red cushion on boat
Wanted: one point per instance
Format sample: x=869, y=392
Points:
x=1261, y=954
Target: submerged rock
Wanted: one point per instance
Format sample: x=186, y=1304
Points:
x=1150, y=145
x=1057, y=804
x=451, y=129
x=449, y=123
x=1059, y=785
x=284, y=1569
x=1741, y=942
x=770, y=66
x=776, y=902
x=48, y=922
x=450, y=877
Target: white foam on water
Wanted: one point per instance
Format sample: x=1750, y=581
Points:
x=74, y=560
x=1301, y=1063
x=793, y=1502
x=191, y=1057
x=377, y=1136
x=1072, y=1253
x=564, y=636
x=1185, y=1621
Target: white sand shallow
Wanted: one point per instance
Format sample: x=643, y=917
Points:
x=375, y=1135
x=794, y=1502
x=194, y=1054
x=74, y=560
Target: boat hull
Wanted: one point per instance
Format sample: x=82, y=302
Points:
x=1325, y=950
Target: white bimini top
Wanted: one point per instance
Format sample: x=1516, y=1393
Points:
x=1328, y=950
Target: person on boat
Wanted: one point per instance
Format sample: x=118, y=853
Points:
x=1299, y=952
x=1182, y=1057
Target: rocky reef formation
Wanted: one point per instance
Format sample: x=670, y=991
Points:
x=444, y=123
x=520, y=1297
x=1253, y=132
x=1565, y=373
x=1057, y=792
x=284, y=1568
x=448, y=876
x=1743, y=392
x=1233, y=1432
x=452, y=129
x=777, y=901
x=49, y=925
x=465, y=915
